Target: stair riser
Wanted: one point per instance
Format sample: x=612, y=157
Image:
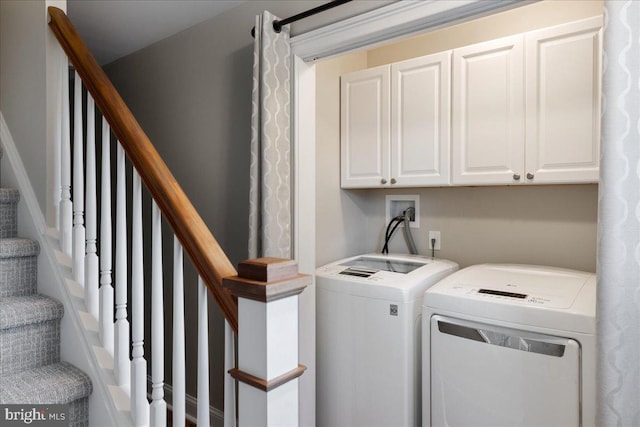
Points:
x=8, y=220
x=18, y=276
x=29, y=346
x=79, y=413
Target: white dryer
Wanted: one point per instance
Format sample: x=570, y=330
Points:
x=368, y=311
x=510, y=345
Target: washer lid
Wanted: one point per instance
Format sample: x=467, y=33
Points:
x=522, y=284
x=392, y=277
x=373, y=264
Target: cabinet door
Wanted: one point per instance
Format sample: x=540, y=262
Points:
x=563, y=102
x=364, y=128
x=488, y=113
x=420, y=120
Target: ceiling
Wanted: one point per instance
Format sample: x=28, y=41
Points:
x=115, y=28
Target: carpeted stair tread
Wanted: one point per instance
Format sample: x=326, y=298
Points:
x=57, y=383
x=28, y=309
x=9, y=195
x=16, y=247
x=30, y=368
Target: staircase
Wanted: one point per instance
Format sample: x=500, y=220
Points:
x=94, y=261
x=31, y=372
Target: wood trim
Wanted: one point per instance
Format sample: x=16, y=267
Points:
x=198, y=242
x=267, y=279
x=268, y=269
x=265, y=385
x=266, y=291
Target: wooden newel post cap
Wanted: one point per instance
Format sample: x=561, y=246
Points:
x=267, y=279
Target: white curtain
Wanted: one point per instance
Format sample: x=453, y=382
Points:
x=619, y=221
x=270, y=188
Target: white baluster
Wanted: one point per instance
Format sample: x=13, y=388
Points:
x=203, y=356
x=122, y=364
x=178, y=379
x=229, y=382
x=66, y=207
x=91, y=269
x=54, y=174
x=106, y=288
x=78, y=185
x=158, y=405
x=139, y=403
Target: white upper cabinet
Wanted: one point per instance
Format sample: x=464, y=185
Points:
x=488, y=112
x=420, y=120
x=523, y=109
x=395, y=124
x=563, y=102
x=526, y=109
x=364, y=128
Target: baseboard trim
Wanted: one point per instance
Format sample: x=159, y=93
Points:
x=191, y=407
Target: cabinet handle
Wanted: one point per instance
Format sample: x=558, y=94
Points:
x=529, y=176
x=516, y=176
x=383, y=181
x=393, y=180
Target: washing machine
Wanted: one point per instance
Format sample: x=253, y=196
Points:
x=368, y=311
x=510, y=345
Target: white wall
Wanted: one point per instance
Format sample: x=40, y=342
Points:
x=23, y=31
x=550, y=225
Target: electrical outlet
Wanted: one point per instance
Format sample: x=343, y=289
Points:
x=434, y=235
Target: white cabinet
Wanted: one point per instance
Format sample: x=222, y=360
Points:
x=412, y=147
x=420, y=120
x=364, y=128
x=563, y=77
x=526, y=109
x=488, y=112
x=523, y=109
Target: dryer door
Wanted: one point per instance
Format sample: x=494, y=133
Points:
x=485, y=375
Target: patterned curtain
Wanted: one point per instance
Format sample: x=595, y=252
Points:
x=270, y=188
x=619, y=221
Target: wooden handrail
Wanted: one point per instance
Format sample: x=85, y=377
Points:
x=206, y=254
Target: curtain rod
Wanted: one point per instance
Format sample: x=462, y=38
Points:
x=277, y=25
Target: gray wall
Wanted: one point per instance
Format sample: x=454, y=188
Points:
x=23, y=27
x=191, y=93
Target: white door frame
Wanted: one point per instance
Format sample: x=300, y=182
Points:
x=394, y=21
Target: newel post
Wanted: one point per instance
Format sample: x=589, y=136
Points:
x=268, y=369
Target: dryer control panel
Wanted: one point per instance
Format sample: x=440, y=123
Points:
x=515, y=285
x=502, y=293
x=511, y=293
